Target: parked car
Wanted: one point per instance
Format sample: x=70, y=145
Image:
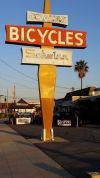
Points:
x=21, y=118
x=64, y=119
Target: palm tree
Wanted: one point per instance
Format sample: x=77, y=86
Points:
x=82, y=68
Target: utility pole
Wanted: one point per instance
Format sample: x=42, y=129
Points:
x=1, y=103
x=7, y=103
x=14, y=97
x=14, y=94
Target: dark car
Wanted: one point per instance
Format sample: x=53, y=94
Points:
x=64, y=119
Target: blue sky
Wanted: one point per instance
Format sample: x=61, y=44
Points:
x=82, y=15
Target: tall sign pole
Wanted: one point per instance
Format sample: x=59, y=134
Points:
x=47, y=79
x=46, y=57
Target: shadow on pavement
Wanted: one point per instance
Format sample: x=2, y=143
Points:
x=51, y=169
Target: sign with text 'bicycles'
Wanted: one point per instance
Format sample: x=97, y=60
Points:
x=46, y=36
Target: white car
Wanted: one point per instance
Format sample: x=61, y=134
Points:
x=23, y=118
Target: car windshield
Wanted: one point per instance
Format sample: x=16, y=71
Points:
x=22, y=115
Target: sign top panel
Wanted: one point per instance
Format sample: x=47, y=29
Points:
x=40, y=17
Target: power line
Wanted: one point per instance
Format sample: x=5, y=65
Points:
x=64, y=87
x=20, y=84
x=20, y=72
x=13, y=68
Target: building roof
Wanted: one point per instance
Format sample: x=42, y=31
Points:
x=21, y=104
x=83, y=92
x=22, y=101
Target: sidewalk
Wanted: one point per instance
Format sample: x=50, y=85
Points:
x=19, y=158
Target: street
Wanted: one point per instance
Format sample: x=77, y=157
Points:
x=77, y=149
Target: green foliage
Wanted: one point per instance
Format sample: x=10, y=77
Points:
x=82, y=68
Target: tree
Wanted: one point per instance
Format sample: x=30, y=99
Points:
x=82, y=68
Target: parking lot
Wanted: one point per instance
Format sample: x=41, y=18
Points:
x=76, y=149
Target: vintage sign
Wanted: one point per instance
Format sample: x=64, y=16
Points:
x=40, y=17
x=45, y=56
x=45, y=36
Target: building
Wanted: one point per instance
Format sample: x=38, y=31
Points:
x=19, y=106
x=85, y=101
x=23, y=106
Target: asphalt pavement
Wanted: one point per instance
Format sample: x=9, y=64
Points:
x=74, y=153
x=77, y=150
x=20, y=158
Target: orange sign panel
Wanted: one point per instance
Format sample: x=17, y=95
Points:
x=46, y=36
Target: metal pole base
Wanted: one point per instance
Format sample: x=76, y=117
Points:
x=44, y=135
